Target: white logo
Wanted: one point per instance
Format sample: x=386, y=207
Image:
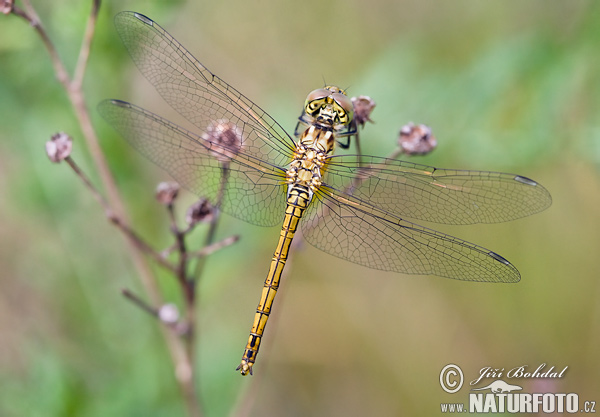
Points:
x=499, y=386
x=448, y=378
x=508, y=398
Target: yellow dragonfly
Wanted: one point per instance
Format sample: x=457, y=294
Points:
x=352, y=207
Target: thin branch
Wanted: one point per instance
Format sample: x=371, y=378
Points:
x=188, y=289
x=181, y=354
x=137, y=241
x=84, y=52
x=78, y=102
x=210, y=237
x=76, y=97
x=166, y=314
x=357, y=144
x=141, y=245
x=139, y=302
x=396, y=154
x=210, y=249
x=181, y=270
x=167, y=251
x=34, y=21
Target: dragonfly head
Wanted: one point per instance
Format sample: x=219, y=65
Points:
x=330, y=105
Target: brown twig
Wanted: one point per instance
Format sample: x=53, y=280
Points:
x=181, y=270
x=75, y=92
x=84, y=52
x=413, y=140
x=357, y=144
x=210, y=249
x=167, y=313
x=167, y=251
x=153, y=311
x=137, y=241
x=181, y=355
x=189, y=291
x=34, y=21
x=396, y=154
x=210, y=236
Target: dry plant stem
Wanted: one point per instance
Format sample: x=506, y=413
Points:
x=188, y=289
x=181, y=270
x=166, y=252
x=180, y=355
x=359, y=179
x=210, y=249
x=76, y=97
x=210, y=236
x=140, y=303
x=34, y=21
x=184, y=365
x=396, y=154
x=75, y=92
x=84, y=52
x=114, y=219
x=139, y=243
x=358, y=150
x=153, y=311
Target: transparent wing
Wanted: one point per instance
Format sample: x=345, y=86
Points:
x=344, y=226
x=196, y=93
x=255, y=189
x=421, y=192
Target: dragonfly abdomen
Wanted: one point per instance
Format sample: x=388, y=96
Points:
x=298, y=199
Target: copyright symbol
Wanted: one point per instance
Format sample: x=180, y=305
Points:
x=451, y=378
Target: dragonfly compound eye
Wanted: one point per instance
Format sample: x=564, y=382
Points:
x=317, y=94
x=343, y=107
x=315, y=100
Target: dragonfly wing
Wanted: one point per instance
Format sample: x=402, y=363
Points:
x=255, y=190
x=448, y=196
x=344, y=226
x=196, y=93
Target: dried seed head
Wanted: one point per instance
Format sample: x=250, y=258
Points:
x=226, y=137
x=166, y=192
x=363, y=106
x=416, y=139
x=6, y=6
x=200, y=211
x=59, y=147
x=168, y=313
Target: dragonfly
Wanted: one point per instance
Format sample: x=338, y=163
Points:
x=359, y=208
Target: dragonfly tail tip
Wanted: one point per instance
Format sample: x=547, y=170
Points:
x=245, y=368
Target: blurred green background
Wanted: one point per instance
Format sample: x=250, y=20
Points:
x=506, y=86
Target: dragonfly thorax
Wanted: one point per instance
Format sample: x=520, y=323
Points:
x=310, y=157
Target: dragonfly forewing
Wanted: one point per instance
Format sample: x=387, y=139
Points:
x=195, y=92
